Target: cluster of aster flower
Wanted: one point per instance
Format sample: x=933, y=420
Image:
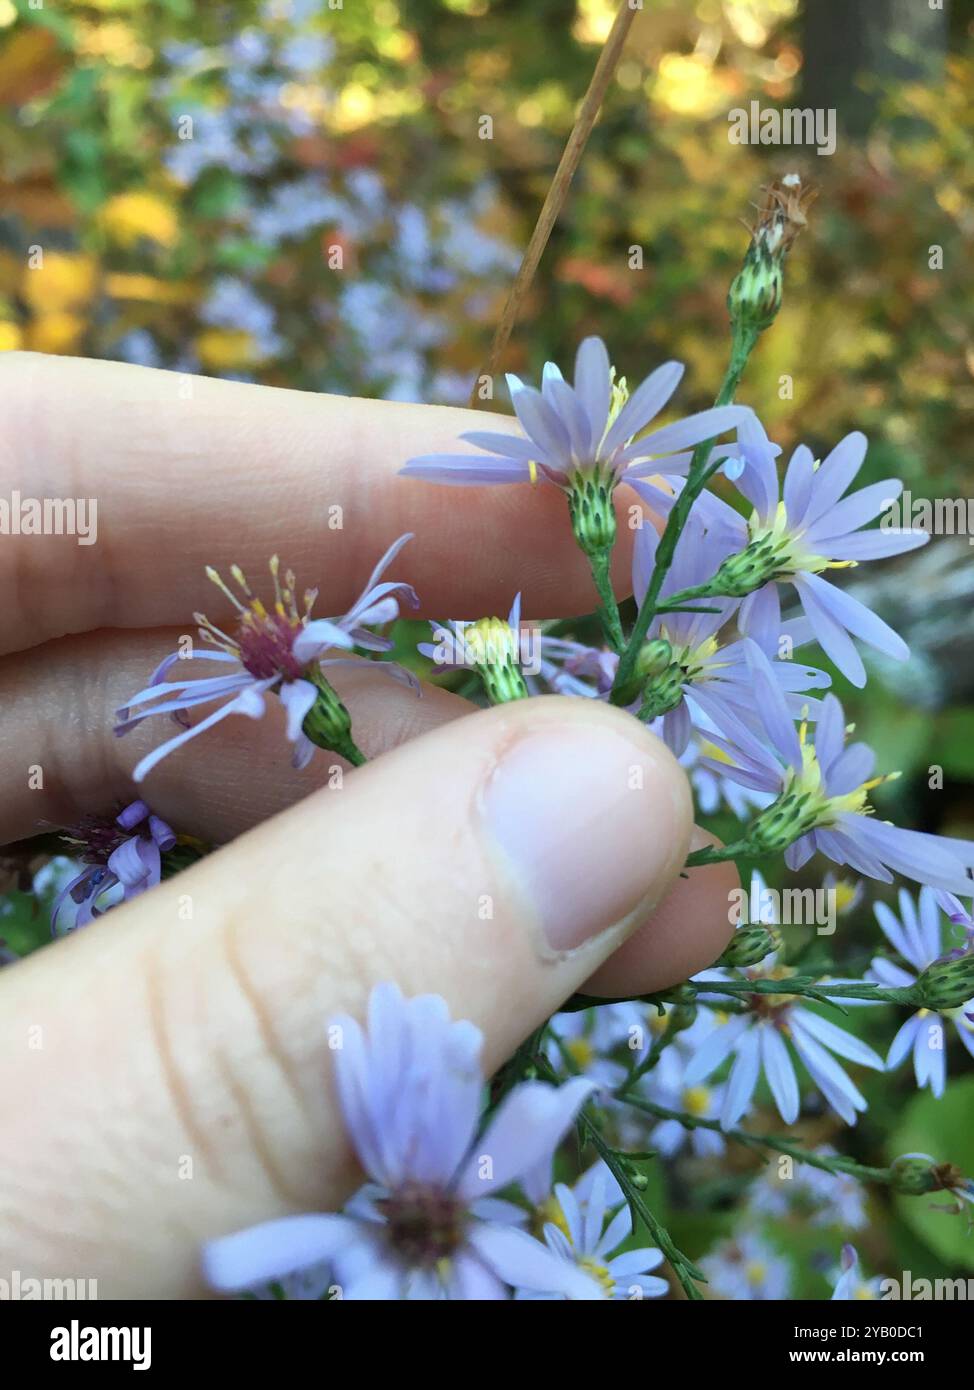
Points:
x=464, y=1194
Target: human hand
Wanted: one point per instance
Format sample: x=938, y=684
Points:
x=165, y=1072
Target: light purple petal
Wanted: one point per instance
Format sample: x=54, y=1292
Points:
x=275, y=1248
x=530, y=1123
x=780, y=1073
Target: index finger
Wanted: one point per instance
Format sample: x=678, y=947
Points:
x=188, y=471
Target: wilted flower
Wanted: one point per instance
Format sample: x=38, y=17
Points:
x=275, y=651
x=410, y=1088
x=755, y=293
x=125, y=850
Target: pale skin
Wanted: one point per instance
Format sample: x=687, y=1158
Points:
x=179, y=1086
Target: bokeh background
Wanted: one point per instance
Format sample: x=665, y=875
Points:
x=318, y=131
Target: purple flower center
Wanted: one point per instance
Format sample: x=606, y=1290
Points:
x=96, y=838
x=424, y=1224
x=265, y=643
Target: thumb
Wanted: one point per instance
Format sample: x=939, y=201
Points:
x=169, y=1064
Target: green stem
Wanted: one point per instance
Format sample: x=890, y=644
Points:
x=618, y=1166
x=609, y=612
x=699, y=473
x=716, y=854
x=829, y=1163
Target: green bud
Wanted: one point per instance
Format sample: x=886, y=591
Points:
x=783, y=822
x=749, y=569
x=913, y=1176
x=653, y=658
x=592, y=514
x=748, y=945
x=754, y=297
x=682, y=1017
x=328, y=723
x=663, y=693
x=494, y=646
x=948, y=983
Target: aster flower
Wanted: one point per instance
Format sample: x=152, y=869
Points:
x=758, y=1043
x=495, y=649
x=747, y=1269
x=826, y=1199
x=666, y=1085
x=586, y=1236
x=278, y=651
x=582, y=439
x=822, y=792
x=798, y=531
x=916, y=936
x=850, y=1286
x=124, y=851
x=690, y=671
x=423, y=1227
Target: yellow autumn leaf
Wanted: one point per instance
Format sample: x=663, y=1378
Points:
x=129, y=216
x=11, y=337
x=61, y=280
x=57, y=332
x=149, y=289
x=226, y=349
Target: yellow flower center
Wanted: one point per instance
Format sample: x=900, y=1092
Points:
x=491, y=641
x=600, y=1274
x=696, y=1100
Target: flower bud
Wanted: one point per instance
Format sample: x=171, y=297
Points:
x=328, y=723
x=749, y=945
x=493, y=645
x=949, y=982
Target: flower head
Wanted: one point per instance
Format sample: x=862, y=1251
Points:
x=490, y=646
x=583, y=439
x=692, y=671
x=123, y=850
x=916, y=936
x=822, y=791
x=797, y=532
x=425, y=1225
x=747, y=1269
x=274, y=650
x=588, y=1232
